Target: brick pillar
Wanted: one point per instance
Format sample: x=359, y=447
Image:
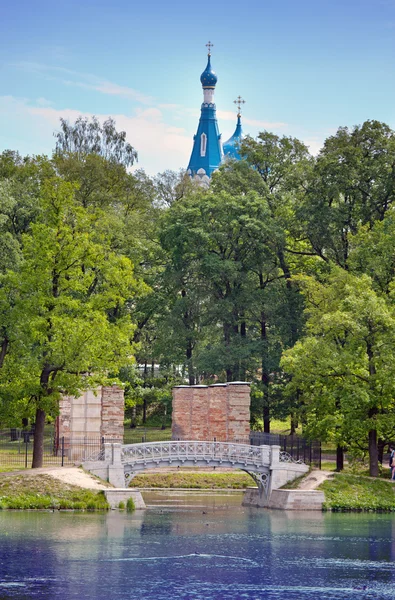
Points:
x=221, y=411
x=238, y=411
x=181, y=412
x=112, y=413
x=217, y=412
x=200, y=413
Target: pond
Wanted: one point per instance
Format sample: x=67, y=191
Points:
x=196, y=547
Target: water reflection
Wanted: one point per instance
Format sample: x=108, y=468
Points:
x=196, y=548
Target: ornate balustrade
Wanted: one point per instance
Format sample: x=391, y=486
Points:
x=182, y=451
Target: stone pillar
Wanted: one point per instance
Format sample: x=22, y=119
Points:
x=85, y=419
x=63, y=421
x=116, y=474
x=274, y=456
x=218, y=412
x=239, y=411
x=107, y=453
x=181, y=412
x=112, y=413
x=200, y=413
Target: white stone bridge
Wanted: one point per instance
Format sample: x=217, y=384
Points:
x=269, y=467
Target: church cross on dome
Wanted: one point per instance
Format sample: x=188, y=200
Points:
x=209, y=45
x=239, y=101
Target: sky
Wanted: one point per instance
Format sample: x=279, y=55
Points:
x=303, y=67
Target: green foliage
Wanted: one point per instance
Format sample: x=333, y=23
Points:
x=98, y=266
x=130, y=505
x=349, y=492
x=86, y=138
x=121, y=506
x=352, y=184
x=343, y=369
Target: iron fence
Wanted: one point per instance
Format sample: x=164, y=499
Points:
x=16, y=446
x=309, y=451
x=16, y=449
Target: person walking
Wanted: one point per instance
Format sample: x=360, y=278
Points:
x=392, y=462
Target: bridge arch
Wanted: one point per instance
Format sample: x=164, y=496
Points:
x=254, y=460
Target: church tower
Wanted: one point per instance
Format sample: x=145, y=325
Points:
x=207, y=149
x=231, y=146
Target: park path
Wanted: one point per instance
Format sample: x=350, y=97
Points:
x=314, y=479
x=70, y=475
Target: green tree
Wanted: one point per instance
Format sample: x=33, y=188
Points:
x=352, y=184
x=86, y=137
x=277, y=169
x=343, y=367
x=70, y=322
x=218, y=245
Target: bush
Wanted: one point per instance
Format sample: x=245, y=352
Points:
x=121, y=506
x=130, y=506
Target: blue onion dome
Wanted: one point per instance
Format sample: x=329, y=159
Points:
x=208, y=78
x=232, y=145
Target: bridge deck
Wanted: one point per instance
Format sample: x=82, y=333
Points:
x=226, y=454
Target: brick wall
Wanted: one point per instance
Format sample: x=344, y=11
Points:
x=220, y=411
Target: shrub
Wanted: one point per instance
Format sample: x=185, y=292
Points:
x=130, y=505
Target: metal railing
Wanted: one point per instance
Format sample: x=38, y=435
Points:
x=191, y=450
x=299, y=448
x=16, y=450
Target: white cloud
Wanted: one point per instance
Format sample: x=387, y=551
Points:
x=160, y=146
x=43, y=102
x=83, y=80
x=314, y=145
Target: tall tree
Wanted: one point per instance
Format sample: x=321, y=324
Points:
x=218, y=244
x=70, y=322
x=86, y=137
x=344, y=367
x=352, y=184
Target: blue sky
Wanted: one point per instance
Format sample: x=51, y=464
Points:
x=304, y=68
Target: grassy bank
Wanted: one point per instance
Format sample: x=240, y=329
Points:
x=45, y=492
x=191, y=480
x=357, y=493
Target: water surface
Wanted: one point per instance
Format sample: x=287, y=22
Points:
x=196, y=547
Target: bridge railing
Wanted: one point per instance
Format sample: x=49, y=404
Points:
x=192, y=451
x=299, y=448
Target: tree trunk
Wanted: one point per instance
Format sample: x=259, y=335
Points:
x=191, y=373
x=243, y=366
x=265, y=375
x=294, y=423
x=38, y=444
x=145, y=385
x=133, y=417
x=373, y=450
x=373, y=454
x=3, y=351
x=339, y=458
x=226, y=330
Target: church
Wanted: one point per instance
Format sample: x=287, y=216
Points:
x=208, y=151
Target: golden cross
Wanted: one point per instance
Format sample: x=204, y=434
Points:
x=209, y=45
x=239, y=101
